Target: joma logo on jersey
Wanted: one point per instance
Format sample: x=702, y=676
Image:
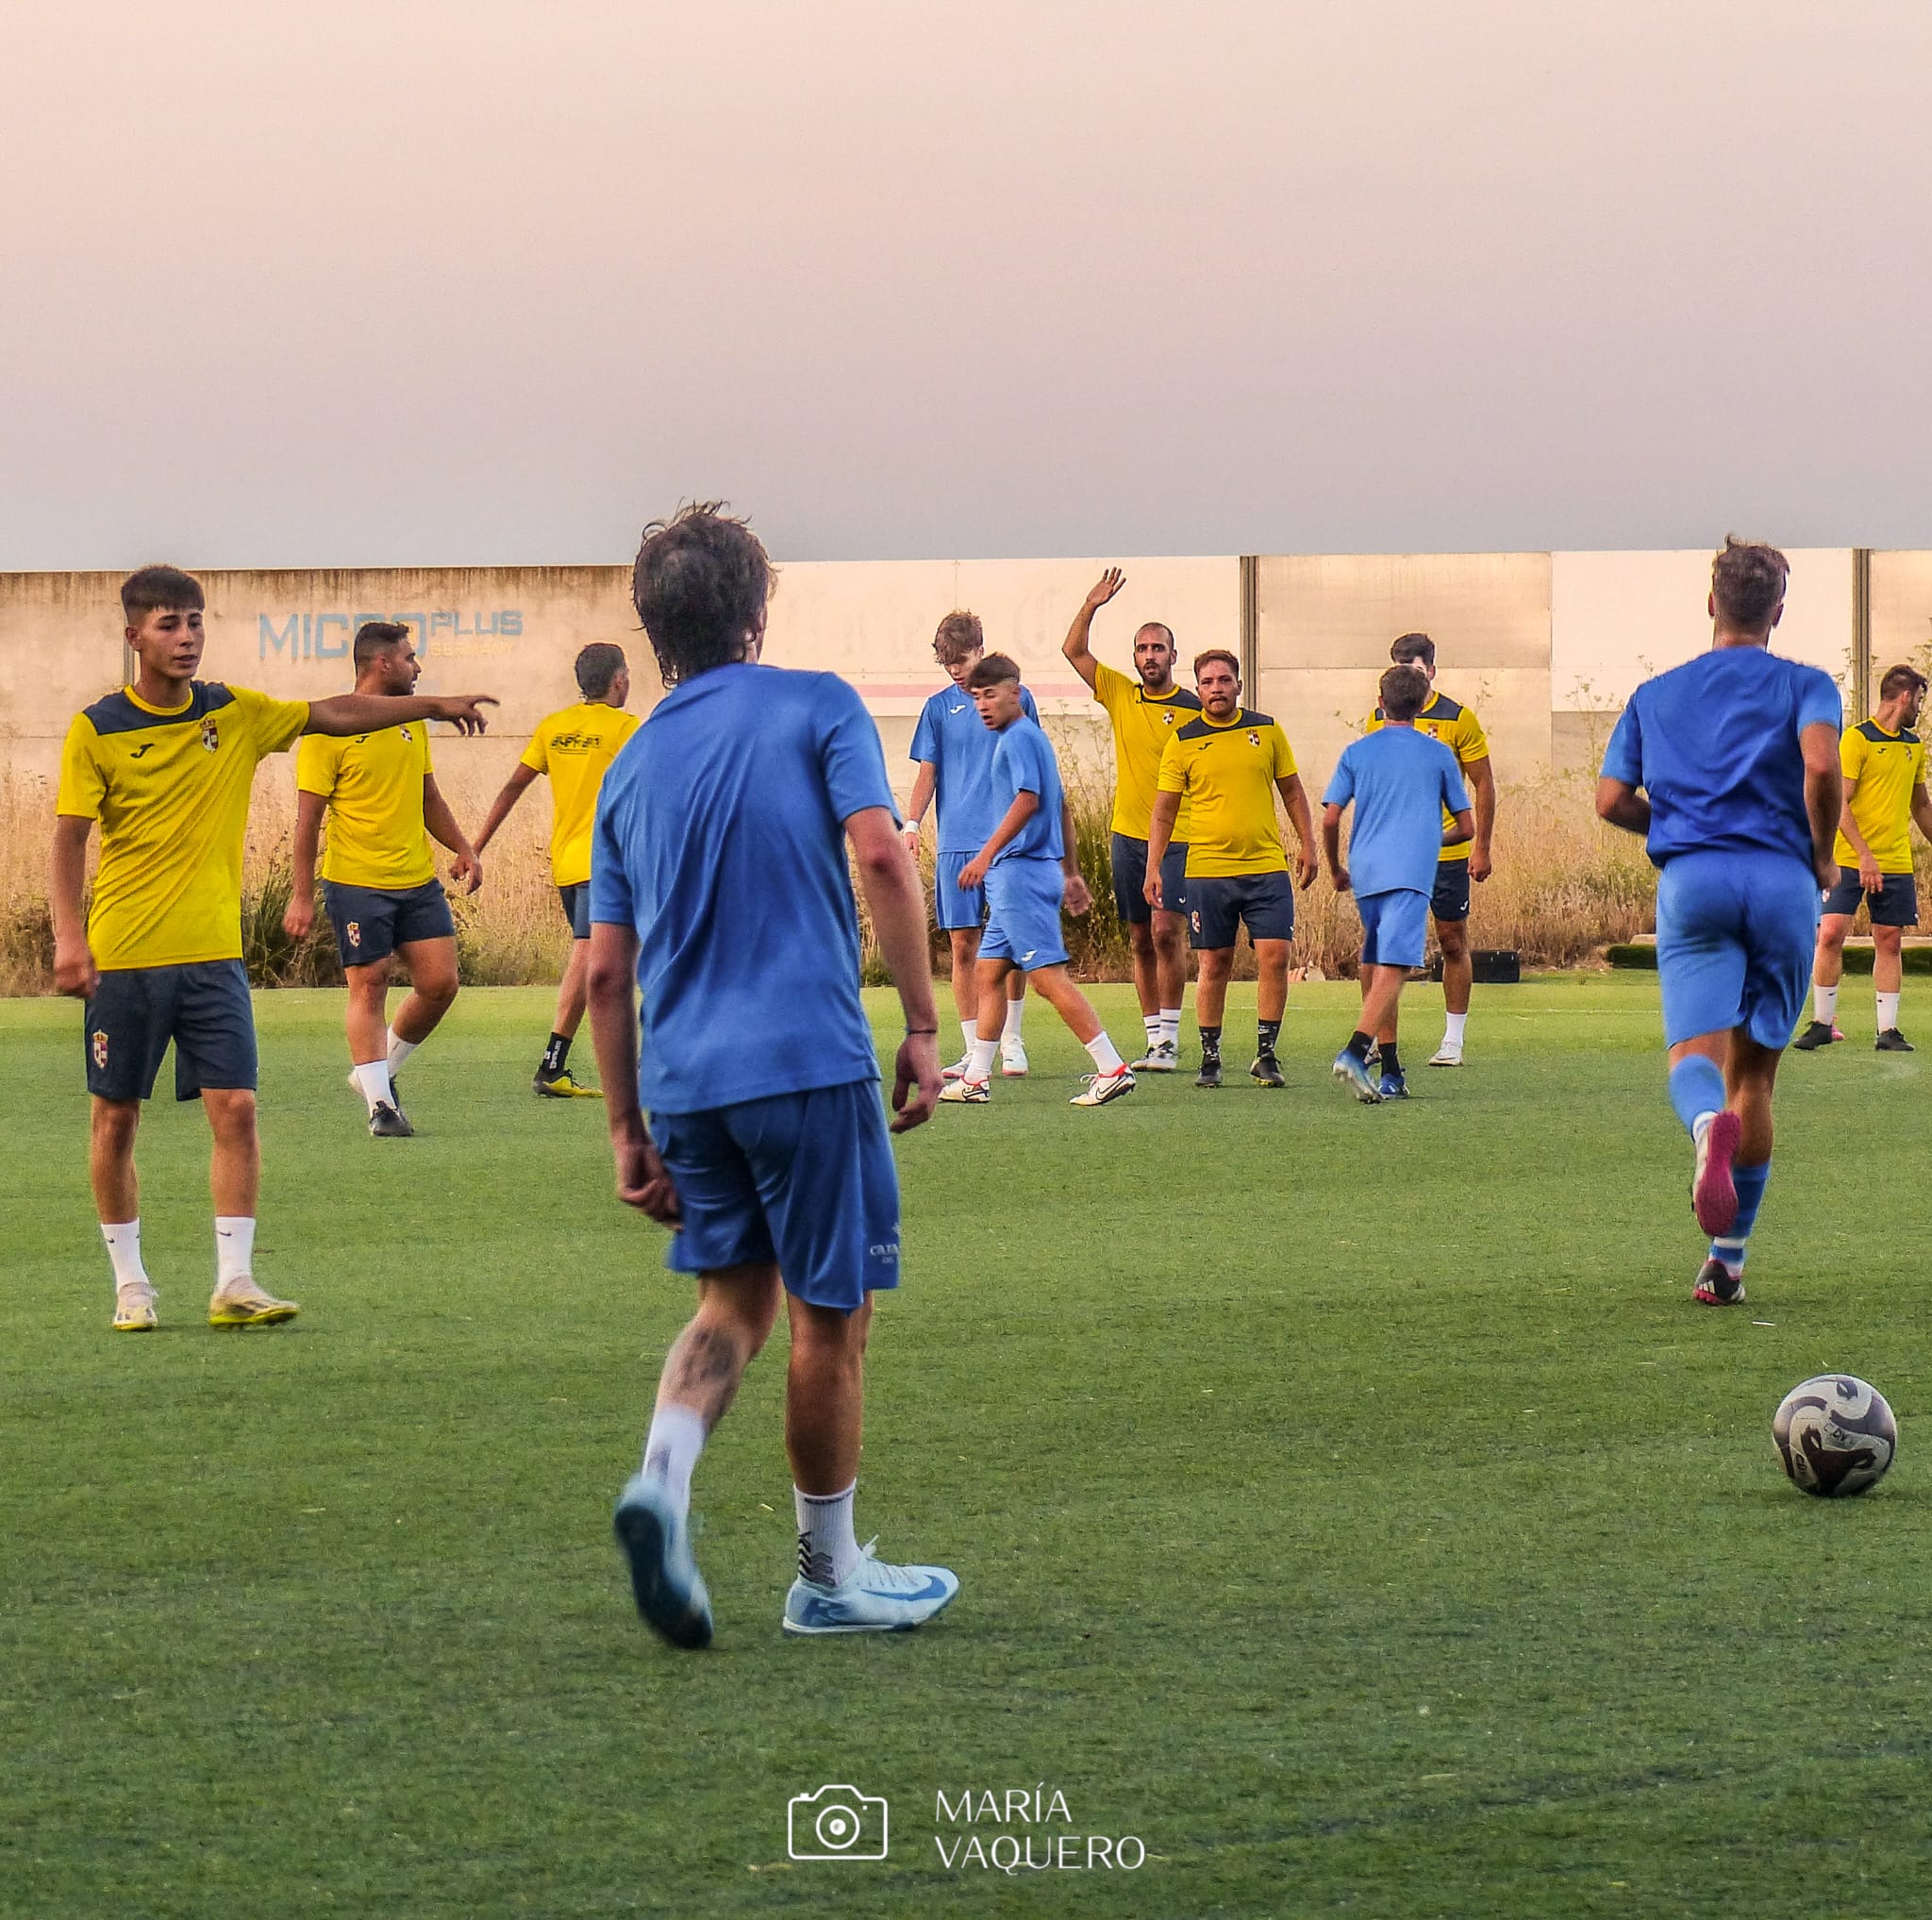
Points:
x=211, y=735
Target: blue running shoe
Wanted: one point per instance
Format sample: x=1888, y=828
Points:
x=874, y=1598
x=1354, y=1075
x=656, y=1538
x=1393, y=1087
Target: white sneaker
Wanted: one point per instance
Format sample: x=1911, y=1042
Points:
x=958, y=1070
x=134, y=1309
x=965, y=1093
x=1163, y=1057
x=1105, y=1087
x=1012, y=1060
x=1447, y=1055
x=876, y=1597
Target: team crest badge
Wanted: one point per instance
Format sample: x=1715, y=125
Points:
x=354, y=929
x=99, y=1042
x=1167, y=716
x=210, y=737
x=406, y=734
x=1253, y=739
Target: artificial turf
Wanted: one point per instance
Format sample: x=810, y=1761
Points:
x=1351, y=1505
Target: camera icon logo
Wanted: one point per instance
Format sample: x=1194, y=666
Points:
x=834, y=1823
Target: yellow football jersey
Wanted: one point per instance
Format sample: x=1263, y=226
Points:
x=1887, y=768
x=1227, y=770
x=1462, y=732
x=170, y=793
x=374, y=785
x=1143, y=722
x=574, y=747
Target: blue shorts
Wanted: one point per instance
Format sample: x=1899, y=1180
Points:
x=1023, y=925
x=1734, y=938
x=954, y=905
x=1895, y=904
x=1450, y=900
x=371, y=921
x=1219, y=903
x=576, y=908
x=1395, y=928
x=1129, y=861
x=805, y=1180
x=203, y=1007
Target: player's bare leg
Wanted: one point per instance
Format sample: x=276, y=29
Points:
x=1013, y=1065
x=235, y=1182
x=111, y=1128
x=1827, y=970
x=1381, y=996
x=432, y=965
x=1270, y=1004
x=1888, y=977
x=1452, y=936
x=366, y=1020
x=1146, y=969
x=964, y=941
x=1216, y=964
x=573, y=991
x=825, y=1396
x=1055, y=986
x=1733, y=1144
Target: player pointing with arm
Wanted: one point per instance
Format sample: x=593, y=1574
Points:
x=1729, y=766
x=164, y=766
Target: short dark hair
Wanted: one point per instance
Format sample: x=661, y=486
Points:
x=597, y=666
x=700, y=584
x=1748, y=578
x=1405, y=691
x=1407, y=648
x=148, y=589
x=1900, y=679
x=990, y=671
x=1160, y=627
x=959, y=633
x=375, y=636
x=1217, y=653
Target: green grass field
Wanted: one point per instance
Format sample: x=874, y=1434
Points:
x=1351, y=1505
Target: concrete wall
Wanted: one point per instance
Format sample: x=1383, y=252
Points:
x=1901, y=610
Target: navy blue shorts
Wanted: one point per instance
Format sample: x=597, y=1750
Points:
x=576, y=908
x=1395, y=928
x=1129, y=858
x=203, y=1007
x=1895, y=904
x=1450, y=900
x=805, y=1180
x=1218, y=904
x=1023, y=900
x=954, y=906
x=1734, y=938
x=371, y=921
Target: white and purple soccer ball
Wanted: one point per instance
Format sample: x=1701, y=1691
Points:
x=1835, y=1435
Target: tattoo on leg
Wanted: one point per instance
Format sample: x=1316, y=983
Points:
x=704, y=1368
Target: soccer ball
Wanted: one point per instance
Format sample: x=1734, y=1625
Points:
x=1835, y=1435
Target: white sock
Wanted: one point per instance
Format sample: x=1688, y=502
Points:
x=1452, y=1025
x=1152, y=1022
x=671, y=1448
x=123, y=1251
x=1700, y=1126
x=1824, y=1001
x=234, y=1248
x=827, y=1547
x=1016, y=1015
x=1170, y=1031
x=1104, y=1055
x=399, y=1051
x=969, y=1032
x=980, y=1059
x=1888, y=1013
x=372, y=1077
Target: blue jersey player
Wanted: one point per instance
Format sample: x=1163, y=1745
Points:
x=1736, y=754
x=719, y=877
x=954, y=753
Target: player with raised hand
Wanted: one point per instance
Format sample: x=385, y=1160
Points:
x=379, y=795
x=1143, y=714
x=1729, y=766
x=574, y=746
x=1883, y=761
x=1029, y=869
x=1228, y=764
x=164, y=767
x=720, y=886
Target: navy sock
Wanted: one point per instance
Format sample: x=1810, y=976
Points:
x=1751, y=1183
x=1697, y=1087
x=1270, y=1034
x=1210, y=1042
x=1359, y=1043
x=555, y=1055
x=1390, y=1064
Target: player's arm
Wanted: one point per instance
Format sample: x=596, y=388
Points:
x=1025, y=804
x=1467, y=827
x=1481, y=776
x=642, y=1181
x=1331, y=844
x=923, y=781
x=298, y=917
x=74, y=971
x=466, y=868
x=1077, y=896
x=889, y=883
x=1824, y=798
x=1622, y=804
x=513, y=789
x=1167, y=810
x=1295, y=796
x=1075, y=648
x=1922, y=809
x=1870, y=879
x=344, y=715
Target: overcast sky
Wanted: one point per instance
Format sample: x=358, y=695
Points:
x=400, y=283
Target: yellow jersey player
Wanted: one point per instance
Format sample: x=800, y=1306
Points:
x=164, y=767
x=378, y=875
x=1883, y=761
x=1462, y=732
x=574, y=747
x=1143, y=712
